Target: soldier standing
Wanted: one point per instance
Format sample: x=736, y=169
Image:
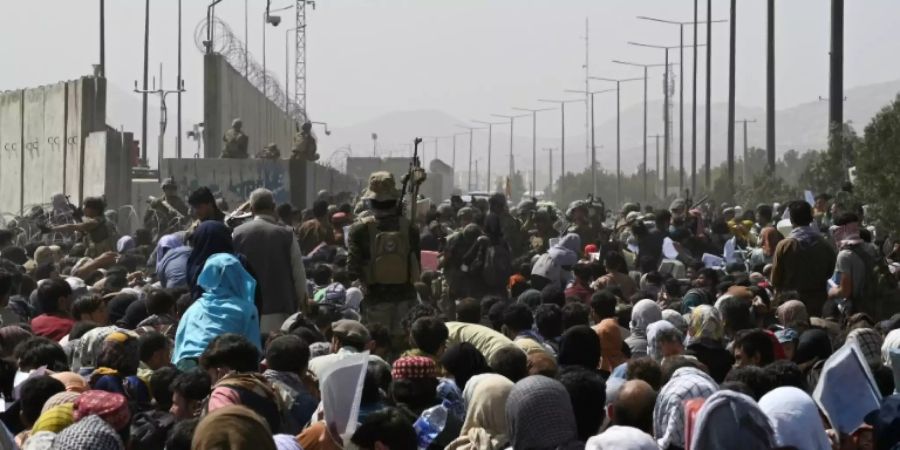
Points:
x=235, y=141
x=305, y=144
x=384, y=255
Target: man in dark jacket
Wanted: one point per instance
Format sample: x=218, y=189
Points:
x=274, y=255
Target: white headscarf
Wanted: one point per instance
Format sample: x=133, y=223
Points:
x=731, y=420
x=643, y=314
x=795, y=419
x=621, y=438
x=891, y=342
x=654, y=346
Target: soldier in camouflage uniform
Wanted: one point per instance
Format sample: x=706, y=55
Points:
x=270, y=151
x=305, y=144
x=166, y=212
x=384, y=255
x=98, y=236
x=235, y=142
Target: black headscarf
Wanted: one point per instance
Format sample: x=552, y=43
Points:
x=813, y=344
x=464, y=361
x=580, y=346
x=209, y=238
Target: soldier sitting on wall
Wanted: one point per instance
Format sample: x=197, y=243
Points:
x=270, y=151
x=235, y=142
x=305, y=144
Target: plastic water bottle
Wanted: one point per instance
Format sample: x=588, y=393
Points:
x=430, y=424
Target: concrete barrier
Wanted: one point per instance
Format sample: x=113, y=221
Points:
x=228, y=95
x=11, y=151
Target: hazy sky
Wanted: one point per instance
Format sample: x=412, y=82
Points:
x=468, y=58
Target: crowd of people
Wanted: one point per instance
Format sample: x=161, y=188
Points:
x=486, y=325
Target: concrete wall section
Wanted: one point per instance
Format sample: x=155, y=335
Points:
x=227, y=96
x=11, y=152
x=52, y=148
x=74, y=140
x=33, y=134
x=234, y=180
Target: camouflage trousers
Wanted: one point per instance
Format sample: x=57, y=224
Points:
x=390, y=314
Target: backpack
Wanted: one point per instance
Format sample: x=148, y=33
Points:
x=868, y=300
x=496, y=265
x=391, y=255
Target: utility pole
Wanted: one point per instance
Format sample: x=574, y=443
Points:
x=550, y=183
x=179, y=84
x=593, y=152
x=657, y=136
x=694, y=110
x=587, y=87
x=618, y=131
x=533, y=144
x=146, y=76
x=471, y=140
x=102, y=39
x=163, y=113
x=770, y=86
x=490, y=127
x=512, y=161
x=745, y=168
x=836, y=81
x=645, y=67
x=708, y=129
x=562, y=148
x=453, y=163
x=731, y=88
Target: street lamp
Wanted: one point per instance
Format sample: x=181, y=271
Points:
x=533, y=144
x=453, y=160
x=618, y=131
x=471, y=135
x=681, y=25
x=273, y=20
x=645, y=67
x=512, y=119
x=490, y=127
x=593, y=133
x=562, y=148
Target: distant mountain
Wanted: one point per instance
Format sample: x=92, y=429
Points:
x=802, y=127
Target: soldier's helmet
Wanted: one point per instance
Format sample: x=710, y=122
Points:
x=382, y=187
x=169, y=183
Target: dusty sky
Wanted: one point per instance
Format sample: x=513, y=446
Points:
x=468, y=58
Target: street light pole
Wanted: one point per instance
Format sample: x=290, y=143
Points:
x=618, y=131
x=490, y=127
x=512, y=119
x=533, y=144
x=593, y=152
x=562, y=148
x=453, y=163
x=645, y=67
x=731, y=89
x=708, y=128
x=471, y=140
x=550, y=183
x=745, y=168
x=770, y=85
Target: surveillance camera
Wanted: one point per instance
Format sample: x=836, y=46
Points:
x=274, y=20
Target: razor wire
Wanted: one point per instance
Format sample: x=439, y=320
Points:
x=226, y=43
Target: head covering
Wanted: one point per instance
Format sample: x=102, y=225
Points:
x=92, y=433
x=118, y=306
x=485, y=423
x=209, y=238
x=643, y=314
x=813, y=344
x=610, y=344
x=413, y=368
x=885, y=423
x=705, y=326
x=111, y=407
x=795, y=419
x=565, y=252
x=668, y=414
x=869, y=342
x=539, y=415
x=792, y=311
x=60, y=398
x=769, y=238
x=55, y=419
x=166, y=243
x=733, y=420
x=580, y=346
x=530, y=298
x=224, y=277
x=621, y=438
x=464, y=361
x=124, y=244
x=233, y=428
x=42, y=440
x=382, y=187
x=286, y=442
x=891, y=342
x=676, y=319
x=654, y=345
x=11, y=336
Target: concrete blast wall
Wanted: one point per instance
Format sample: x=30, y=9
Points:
x=227, y=95
x=43, y=135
